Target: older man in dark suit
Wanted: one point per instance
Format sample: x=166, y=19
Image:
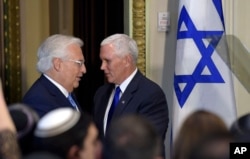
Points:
x=137, y=94
x=61, y=64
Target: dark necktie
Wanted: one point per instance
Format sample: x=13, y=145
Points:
x=73, y=103
x=114, y=104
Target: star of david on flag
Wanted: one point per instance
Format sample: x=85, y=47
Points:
x=202, y=80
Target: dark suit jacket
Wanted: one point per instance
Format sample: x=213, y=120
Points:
x=142, y=96
x=44, y=96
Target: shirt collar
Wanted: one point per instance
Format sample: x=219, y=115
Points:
x=125, y=83
x=60, y=87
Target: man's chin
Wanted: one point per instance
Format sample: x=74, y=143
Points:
x=76, y=85
x=110, y=80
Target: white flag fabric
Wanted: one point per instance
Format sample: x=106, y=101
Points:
x=202, y=80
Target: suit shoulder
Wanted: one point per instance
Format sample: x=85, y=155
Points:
x=36, y=86
x=148, y=83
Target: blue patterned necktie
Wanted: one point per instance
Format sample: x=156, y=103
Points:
x=73, y=103
x=114, y=103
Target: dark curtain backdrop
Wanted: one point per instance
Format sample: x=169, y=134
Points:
x=93, y=21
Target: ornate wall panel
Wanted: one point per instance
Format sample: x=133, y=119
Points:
x=139, y=32
x=1, y=42
x=11, y=60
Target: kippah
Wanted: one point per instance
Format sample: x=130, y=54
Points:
x=24, y=118
x=56, y=122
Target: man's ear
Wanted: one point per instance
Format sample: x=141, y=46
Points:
x=128, y=60
x=56, y=63
x=73, y=152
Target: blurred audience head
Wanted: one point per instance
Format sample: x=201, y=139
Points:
x=196, y=127
x=25, y=120
x=68, y=134
x=241, y=126
x=215, y=146
x=9, y=148
x=131, y=137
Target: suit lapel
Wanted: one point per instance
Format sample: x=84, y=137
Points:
x=53, y=90
x=127, y=95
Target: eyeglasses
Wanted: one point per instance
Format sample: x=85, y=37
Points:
x=79, y=62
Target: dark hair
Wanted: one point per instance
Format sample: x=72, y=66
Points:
x=41, y=155
x=241, y=126
x=61, y=144
x=196, y=126
x=25, y=120
x=215, y=146
x=131, y=137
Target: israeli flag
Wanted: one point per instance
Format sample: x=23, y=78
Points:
x=202, y=80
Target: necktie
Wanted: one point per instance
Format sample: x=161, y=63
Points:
x=114, y=103
x=73, y=103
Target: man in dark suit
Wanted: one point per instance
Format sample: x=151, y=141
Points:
x=61, y=64
x=138, y=94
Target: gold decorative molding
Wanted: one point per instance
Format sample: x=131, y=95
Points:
x=1, y=42
x=12, y=51
x=139, y=32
